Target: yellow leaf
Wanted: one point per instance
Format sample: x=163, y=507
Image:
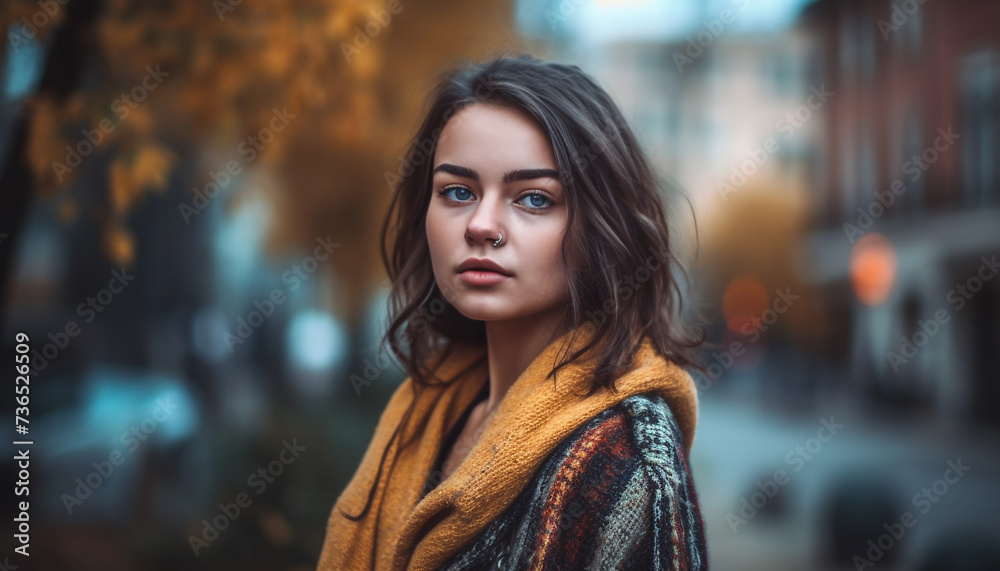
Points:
x=338, y=24
x=151, y=167
x=277, y=58
x=139, y=119
x=45, y=147
x=121, y=185
x=119, y=244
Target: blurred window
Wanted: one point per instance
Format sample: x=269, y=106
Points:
x=848, y=46
x=913, y=199
x=848, y=172
x=979, y=101
x=869, y=167
x=783, y=70
x=673, y=119
x=868, y=30
x=914, y=32
x=651, y=59
x=908, y=37
x=897, y=154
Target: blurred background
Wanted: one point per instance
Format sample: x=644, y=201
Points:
x=190, y=201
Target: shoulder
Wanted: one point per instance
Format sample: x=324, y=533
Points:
x=635, y=446
x=640, y=431
x=617, y=493
x=624, y=479
x=656, y=435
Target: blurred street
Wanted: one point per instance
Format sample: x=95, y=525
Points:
x=191, y=199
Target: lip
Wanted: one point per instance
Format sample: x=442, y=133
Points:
x=481, y=272
x=482, y=266
x=481, y=278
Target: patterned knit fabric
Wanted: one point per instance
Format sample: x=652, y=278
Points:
x=616, y=494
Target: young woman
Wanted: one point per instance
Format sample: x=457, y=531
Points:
x=546, y=422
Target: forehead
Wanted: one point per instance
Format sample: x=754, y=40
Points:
x=481, y=135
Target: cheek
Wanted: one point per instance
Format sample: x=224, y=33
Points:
x=437, y=232
x=547, y=263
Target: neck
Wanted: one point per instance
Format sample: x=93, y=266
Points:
x=512, y=345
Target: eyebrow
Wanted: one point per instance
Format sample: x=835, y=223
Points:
x=508, y=177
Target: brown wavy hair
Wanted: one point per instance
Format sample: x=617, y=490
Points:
x=616, y=226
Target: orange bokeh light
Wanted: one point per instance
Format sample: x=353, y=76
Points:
x=873, y=268
x=744, y=298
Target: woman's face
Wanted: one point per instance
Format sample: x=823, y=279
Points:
x=494, y=172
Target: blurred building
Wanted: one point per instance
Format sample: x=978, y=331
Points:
x=720, y=99
x=910, y=153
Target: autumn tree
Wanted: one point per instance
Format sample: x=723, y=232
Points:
x=137, y=82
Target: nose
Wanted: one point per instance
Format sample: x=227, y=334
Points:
x=485, y=224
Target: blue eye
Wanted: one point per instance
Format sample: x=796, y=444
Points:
x=465, y=192
x=537, y=201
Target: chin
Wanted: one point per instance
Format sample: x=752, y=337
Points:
x=489, y=307
x=481, y=313
x=498, y=308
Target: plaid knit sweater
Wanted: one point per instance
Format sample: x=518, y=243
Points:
x=616, y=494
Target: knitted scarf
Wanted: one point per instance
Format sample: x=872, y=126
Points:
x=404, y=531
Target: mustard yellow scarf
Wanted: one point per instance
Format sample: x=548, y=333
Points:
x=401, y=531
